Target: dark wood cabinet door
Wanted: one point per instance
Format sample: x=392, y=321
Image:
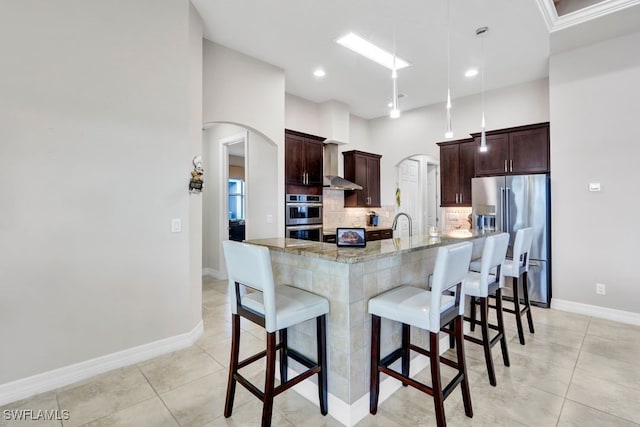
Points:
x=529, y=151
x=467, y=161
x=294, y=159
x=494, y=161
x=313, y=162
x=373, y=182
x=363, y=169
x=449, y=174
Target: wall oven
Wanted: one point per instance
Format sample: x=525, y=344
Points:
x=303, y=217
x=302, y=209
x=304, y=232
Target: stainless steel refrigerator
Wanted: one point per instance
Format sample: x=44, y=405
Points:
x=509, y=203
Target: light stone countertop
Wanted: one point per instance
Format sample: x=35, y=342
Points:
x=374, y=250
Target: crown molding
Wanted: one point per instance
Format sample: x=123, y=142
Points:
x=557, y=23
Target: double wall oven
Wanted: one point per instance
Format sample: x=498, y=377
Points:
x=303, y=213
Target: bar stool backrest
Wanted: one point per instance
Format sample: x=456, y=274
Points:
x=493, y=255
x=250, y=265
x=522, y=247
x=452, y=264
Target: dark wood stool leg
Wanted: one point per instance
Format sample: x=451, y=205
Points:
x=472, y=313
x=269, y=380
x=284, y=363
x=452, y=338
x=462, y=365
x=406, y=339
x=486, y=344
x=233, y=364
x=438, y=397
x=321, y=332
x=374, y=383
x=527, y=303
x=503, y=339
x=516, y=309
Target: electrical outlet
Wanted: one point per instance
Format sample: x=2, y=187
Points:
x=601, y=289
x=269, y=219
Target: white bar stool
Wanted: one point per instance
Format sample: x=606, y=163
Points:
x=516, y=268
x=275, y=308
x=428, y=310
x=479, y=285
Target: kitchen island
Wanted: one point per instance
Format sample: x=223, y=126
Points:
x=348, y=278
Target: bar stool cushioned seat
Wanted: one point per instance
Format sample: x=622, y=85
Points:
x=275, y=308
x=428, y=310
x=518, y=267
x=479, y=285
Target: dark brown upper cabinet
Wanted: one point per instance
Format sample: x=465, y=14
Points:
x=363, y=169
x=514, y=151
x=457, y=168
x=303, y=159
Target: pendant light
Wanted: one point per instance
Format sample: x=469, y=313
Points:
x=483, y=132
x=449, y=132
x=395, y=111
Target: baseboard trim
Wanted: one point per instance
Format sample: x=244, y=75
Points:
x=47, y=381
x=211, y=272
x=596, y=311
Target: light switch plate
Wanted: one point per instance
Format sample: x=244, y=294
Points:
x=176, y=225
x=594, y=186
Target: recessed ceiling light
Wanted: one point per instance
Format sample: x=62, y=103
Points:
x=471, y=72
x=369, y=50
x=319, y=72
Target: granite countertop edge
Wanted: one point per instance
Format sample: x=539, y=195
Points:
x=373, y=251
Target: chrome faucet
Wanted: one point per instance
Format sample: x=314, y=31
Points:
x=395, y=221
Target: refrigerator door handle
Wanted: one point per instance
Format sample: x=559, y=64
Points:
x=507, y=208
x=502, y=228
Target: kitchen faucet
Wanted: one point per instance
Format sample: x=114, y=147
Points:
x=395, y=221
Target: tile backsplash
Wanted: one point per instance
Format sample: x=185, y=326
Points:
x=334, y=214
x=456, y=219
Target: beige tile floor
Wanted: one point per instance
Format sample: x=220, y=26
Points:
x=575, y=371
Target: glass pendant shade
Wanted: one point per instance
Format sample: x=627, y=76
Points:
x=395, y=111
x=483, y=136
x=449, y=132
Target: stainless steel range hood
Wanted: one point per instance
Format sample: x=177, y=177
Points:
x=331, y=178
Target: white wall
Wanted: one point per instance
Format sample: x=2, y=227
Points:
x=262, y=207
x=594, y=95
x=242, y=90
x=417, y=131
x=99, y=121
x=305, y=116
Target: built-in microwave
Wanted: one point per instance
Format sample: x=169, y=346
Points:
x=303, y=209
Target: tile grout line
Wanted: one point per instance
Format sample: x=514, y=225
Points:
x=575, y=366
x=159, y=397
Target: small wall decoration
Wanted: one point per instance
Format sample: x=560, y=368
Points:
x=196, y=182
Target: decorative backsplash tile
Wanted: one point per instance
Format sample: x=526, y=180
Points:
x=334, y=214
x=456, y=219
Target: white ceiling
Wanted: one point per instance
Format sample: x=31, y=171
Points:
x=299, y=36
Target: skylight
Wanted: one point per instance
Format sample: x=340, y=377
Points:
x=369, y=50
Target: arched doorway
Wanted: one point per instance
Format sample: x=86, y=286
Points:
x=234, y=150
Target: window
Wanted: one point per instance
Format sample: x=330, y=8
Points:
x=236, y=198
